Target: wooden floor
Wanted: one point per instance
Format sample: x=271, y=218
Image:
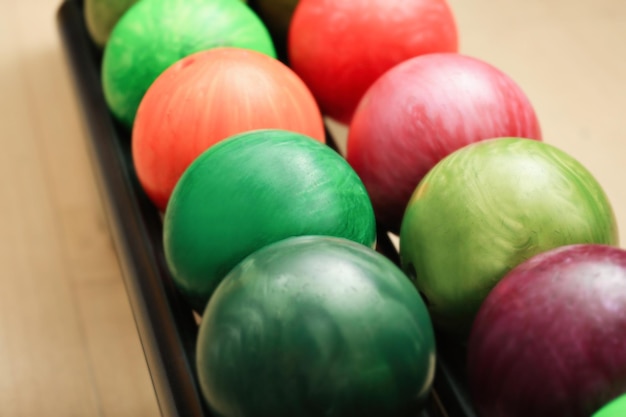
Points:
x=68, y=343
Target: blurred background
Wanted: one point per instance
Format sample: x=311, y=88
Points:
x=68, y=342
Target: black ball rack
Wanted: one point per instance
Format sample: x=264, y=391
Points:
x=166, y=325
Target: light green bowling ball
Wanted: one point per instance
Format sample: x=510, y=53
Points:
x=615, y=408
x=102, y=15
x=488, y=207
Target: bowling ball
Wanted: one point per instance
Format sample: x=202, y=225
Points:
x=549, y=339
x=486, y=208
x=254, y=189
x=339, y=48
x=102, y=15
x=422, y=110
x=277, y=14
x=155, y=34
x=315, y=326
x=615, y=408
x=207, y=97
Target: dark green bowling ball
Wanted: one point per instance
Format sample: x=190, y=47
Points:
x=316, y=326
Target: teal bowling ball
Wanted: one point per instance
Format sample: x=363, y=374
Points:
x=253, y=189
x=488, y=207
x=316, y=326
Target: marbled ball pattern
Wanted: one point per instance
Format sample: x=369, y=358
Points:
x=152, y=35
x=253, y=189
x=421, y=111
x=549, y=339
x=316, y=326
x=488, y=207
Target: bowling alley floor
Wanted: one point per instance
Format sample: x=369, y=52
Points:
x=68, y=342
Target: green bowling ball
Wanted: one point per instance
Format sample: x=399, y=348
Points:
x=615, y=408
x=154, y=34
x=102, y=15
x=488, y=207
x=254, y=189
x=316, y=326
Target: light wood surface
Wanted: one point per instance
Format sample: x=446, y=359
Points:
x=68, y=342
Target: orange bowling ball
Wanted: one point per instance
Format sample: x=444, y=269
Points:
x=207, y=97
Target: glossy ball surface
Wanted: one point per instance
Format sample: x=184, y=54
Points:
x=254, y=189
x=549, y=339
x=421, y=111
x=155, y=34
x=316, y=326
x=207, y=97
x=488, y=207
